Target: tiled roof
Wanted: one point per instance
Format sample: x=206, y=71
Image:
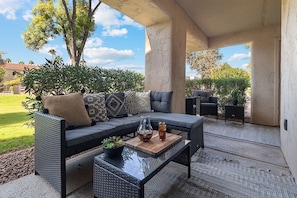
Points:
x=17, y=67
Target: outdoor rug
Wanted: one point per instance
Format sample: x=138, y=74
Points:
x=212, y=177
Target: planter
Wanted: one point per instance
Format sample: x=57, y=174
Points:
x=113, y=152
x=234, y=101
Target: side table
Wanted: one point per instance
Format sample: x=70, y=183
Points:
x=234, y=111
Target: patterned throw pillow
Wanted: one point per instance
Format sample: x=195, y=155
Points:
x=130, y=102
x=115, y=105
x=97, y=110
x=144, y=102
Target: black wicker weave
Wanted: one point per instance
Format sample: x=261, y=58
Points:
x=126, y=176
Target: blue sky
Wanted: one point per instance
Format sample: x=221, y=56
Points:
x=118, y=41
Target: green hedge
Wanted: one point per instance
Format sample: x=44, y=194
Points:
x=55, y=78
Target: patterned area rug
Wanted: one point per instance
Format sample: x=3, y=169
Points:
x=212, y=177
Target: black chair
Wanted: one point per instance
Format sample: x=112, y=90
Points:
x=202, y=103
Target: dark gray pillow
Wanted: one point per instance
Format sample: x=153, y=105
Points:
x=204, y=95
x=115, y=105
x=161, y=101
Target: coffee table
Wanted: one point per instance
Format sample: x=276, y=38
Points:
x=125, y=176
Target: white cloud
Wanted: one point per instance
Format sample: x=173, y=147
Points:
x=8, y=8
x=46, y=48
x=104, y=55
x=112, y=20
x=93, y=42
x=239, y=57
x=27, y=16
x=244, y=66
x=107, y=16
x=115, y=32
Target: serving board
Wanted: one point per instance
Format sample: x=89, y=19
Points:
x=154, y=146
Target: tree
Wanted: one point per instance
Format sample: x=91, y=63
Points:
x=74, y=23
x=226, y=71
x=204, y=61
x=7, y=60
x=1, y=59
x=31, y=62
x=2, y=74
x=21, y=62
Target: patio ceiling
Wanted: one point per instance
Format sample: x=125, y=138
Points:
x=212, y=18
x=221, y=17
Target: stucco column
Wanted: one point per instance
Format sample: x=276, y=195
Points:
x=265, y=78
x=165, y=61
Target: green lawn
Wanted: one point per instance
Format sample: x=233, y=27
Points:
x=14, y=134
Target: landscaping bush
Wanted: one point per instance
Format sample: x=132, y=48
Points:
x=54, y=78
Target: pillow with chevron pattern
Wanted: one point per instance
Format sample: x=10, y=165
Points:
x=144, y=102
x=130, y=103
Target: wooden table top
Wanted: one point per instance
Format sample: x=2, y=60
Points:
x=154, y=146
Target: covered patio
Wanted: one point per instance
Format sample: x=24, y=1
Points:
x=174, y=27
x=267, y=145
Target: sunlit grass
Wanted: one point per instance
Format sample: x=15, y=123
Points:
x=14, y=134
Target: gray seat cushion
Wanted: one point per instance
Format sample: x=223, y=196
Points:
x=101, y=130
x=176, y=119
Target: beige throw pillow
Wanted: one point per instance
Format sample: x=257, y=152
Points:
x=71, y=107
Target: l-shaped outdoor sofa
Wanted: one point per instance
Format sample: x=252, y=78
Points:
x=58, y=137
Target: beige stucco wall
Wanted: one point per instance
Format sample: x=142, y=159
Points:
x=288, y=83
x=165, y=61
x=265, y=70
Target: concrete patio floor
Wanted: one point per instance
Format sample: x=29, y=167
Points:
x=252, y=145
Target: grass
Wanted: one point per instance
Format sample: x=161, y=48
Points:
x=14, y=134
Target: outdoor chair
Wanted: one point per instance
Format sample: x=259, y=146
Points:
x=202, y=103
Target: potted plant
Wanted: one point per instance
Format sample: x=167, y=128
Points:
x=234, y=94
x=113, y=146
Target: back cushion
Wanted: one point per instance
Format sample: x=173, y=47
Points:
x=161, y=101
x=203, y=94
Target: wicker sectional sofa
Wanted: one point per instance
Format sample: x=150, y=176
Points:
x=54, y=143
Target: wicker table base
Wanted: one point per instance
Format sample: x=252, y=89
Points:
x=126, y=176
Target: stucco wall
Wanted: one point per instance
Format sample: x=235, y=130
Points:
x=165, y=61
x=288, y=83
x=158, y=57
x=264, y=78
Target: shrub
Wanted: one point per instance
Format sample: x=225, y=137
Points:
x=55, y=78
